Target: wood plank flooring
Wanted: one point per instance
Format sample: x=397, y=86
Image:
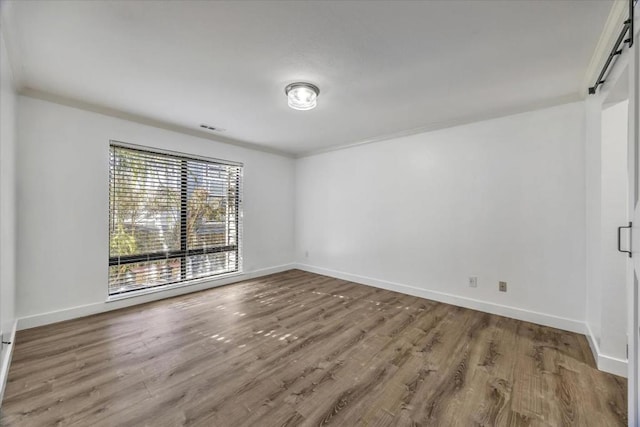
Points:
x=297, y=348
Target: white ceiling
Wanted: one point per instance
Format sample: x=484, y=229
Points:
x=383, y=68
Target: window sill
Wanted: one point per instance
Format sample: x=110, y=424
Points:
x=142, y=292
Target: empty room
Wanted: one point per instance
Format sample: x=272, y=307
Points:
x=301, y=213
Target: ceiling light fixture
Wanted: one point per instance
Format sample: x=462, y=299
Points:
x=302, y=96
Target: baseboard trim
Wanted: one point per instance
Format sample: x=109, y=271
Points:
x=42, y=319
x=612, y=365
x=6, y=356
x=593, y=343
x=544, y=319
x=605, y=363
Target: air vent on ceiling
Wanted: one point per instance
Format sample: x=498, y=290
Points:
x=212, y=128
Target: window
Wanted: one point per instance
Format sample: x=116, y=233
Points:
x=172, y=218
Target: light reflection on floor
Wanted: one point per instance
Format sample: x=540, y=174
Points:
x=268, y=299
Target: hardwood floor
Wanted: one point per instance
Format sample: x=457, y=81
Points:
x=297, y=348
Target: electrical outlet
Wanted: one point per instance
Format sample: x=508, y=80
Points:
x=473, y=282
x=502, y=286
x=306, y=254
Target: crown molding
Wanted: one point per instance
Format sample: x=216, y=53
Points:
x=476, y=118
x=10, y=44
x=147, y=121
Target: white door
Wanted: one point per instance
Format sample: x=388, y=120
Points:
x=633, y=276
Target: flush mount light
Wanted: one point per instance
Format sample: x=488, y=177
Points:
x=302, y=96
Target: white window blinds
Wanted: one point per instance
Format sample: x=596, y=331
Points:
x=172, y=218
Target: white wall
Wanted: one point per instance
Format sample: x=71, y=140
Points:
x=7, y=191
x=7, y=207
x=606, y=209
x=613, y=341
x=63, y=206
x=502, y=199
x=593, y=181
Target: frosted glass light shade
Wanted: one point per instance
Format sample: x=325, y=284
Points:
x=302, y=96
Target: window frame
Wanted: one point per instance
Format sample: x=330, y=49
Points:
x=183, y=252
